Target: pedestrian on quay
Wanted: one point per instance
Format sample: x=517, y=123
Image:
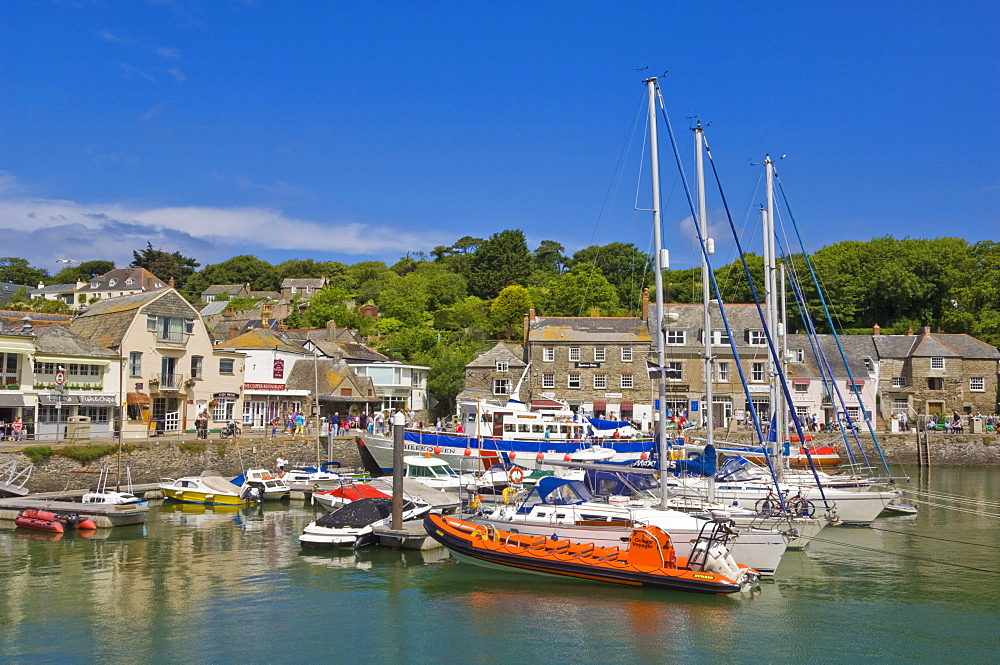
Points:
x=335, y=423
x=300, y=424
x=279, y=464
x=15, y=428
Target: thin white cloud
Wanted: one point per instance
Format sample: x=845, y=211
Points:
x=167, y=52
x=277, y=188
x=178, y=75
x=130, y=69
x=152, y=112
x=38, y=229
x=111, y=37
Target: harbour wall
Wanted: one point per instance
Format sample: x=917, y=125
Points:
x=173, y=458
x=945, y=449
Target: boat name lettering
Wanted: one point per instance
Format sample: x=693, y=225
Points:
x=702, y=577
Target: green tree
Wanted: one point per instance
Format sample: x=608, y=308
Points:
x=446, y=377
x=167, y=266
x=500, y=261
x=548, y=257
x=625, y=267
x=244, y=269
x=508, y=310
x=470, y=312
x=81, y=273
x=18, y=271
x=581, y=289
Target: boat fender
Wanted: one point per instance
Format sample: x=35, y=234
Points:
x=474, y=503
x=315, y=487
x=515, y=475
x=508, y=494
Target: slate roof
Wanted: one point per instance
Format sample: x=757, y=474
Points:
x=508, y=353
x=7, y=290
x=260, y=338
x=228, y=289
x=289, y=282
x=332, y=375
x=142, y=280
x=107, y=321
x=222, y=328
x=15, y=318
x=588, y=329
x=321, y=334
x=351, y=352
x=856, y=349
x=271, y=295
x=61, y=340
x=938, y=345
x=214, y=307
x=52, y=288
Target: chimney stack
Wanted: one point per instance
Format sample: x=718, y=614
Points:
x=331, y=330
x=927, y=330
x=645, y=304
x=170, y=282
x=876, y=330
x=595, y=312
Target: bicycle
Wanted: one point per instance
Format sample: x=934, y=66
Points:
x=230, y=429
x=798, y=505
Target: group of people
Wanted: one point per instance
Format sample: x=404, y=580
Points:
x=201, y=425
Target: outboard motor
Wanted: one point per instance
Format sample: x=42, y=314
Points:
x=251, y=493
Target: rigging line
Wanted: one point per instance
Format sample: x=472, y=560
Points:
x=715, y=286
x=953, y=497
x=904, y=556
x=850, y=375
x=957, y=509
x=947, y=540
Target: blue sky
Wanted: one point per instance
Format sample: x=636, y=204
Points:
x=366, y=130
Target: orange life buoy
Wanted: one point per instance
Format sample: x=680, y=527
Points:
x=515, y=475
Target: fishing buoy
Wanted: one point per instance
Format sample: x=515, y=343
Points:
x=539, y=457
x=437, y=450
x=567, y=458
x=468, y=452
x=643, y=456
x=512, y=454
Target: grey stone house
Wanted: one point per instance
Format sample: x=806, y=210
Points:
x=936, y=373
x=494, y=373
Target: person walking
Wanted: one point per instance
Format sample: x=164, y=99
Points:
x=300, y=423
x=335, y=424
x=16, y=427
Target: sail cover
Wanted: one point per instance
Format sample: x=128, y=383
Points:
x=360, y=513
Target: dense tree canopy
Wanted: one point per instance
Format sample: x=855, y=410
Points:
x=19, y=271
x=502, y=260
x=165, y=265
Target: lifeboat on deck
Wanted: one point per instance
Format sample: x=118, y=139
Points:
x=650, y=560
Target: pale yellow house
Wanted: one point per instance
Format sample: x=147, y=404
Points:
x=170, y=372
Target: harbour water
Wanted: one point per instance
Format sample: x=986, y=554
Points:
x=203, y=585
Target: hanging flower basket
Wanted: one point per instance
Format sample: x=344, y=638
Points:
x=189, y=383
x=213, y=403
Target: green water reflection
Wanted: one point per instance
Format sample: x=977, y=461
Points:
x=217, y=585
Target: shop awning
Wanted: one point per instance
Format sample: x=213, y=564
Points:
x=545, y=404
x=600, y=406
x=52, y=400
x=138, y=398
x=11, y=400
x=801, y=382
x=627, y=406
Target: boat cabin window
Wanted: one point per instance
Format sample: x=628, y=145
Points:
x=537, y=428
x=522, y=428
x=509, y=427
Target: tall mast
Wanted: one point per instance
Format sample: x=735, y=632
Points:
x=708, y=416
x=660, y=260
x=776, y=394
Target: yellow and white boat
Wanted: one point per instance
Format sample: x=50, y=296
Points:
x=208, y=488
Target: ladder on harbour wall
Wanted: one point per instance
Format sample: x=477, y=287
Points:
x=923, y=448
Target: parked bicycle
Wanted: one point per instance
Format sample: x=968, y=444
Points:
x=230, y=429
x=798, y=505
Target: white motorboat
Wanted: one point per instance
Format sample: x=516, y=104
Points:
x=569, y=510
x=101, y=493
x=312, y=478
x=348, y=492
x=353, y=525
x=270, y=488
x=437, y=473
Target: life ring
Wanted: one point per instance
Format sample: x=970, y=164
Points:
x=479, y=533
x=515, y=475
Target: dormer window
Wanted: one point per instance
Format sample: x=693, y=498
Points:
x=129, y=281
x=112, y=282
x=95, y=285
